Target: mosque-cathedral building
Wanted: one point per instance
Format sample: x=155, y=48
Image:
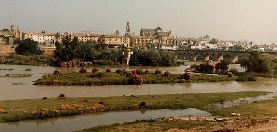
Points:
x=148, y=37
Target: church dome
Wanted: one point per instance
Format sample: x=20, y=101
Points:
x=159, y=29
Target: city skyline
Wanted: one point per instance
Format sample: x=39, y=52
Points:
x=251, y=20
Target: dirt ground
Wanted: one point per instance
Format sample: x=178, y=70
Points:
x=236, y=125
x=6, y=49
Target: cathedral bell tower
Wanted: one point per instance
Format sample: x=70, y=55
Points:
x=128, y=30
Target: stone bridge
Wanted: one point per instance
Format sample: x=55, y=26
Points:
x=215, y=55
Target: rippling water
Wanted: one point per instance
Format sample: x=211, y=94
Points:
x=80, y=122
x=23, y=88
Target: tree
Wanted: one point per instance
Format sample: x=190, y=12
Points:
x=67, y=50
x=260, y=63
x=28, y=47
x=152, y=58
x=223, y=65
x=213, y=41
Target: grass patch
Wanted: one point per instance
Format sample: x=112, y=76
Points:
x=104, y=78
x=27, y=109
x=250, y=115
x=35, y=60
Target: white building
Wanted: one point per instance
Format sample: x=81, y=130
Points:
x=42, y=38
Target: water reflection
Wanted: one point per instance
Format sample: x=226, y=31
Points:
x=26, y=90
x=92, y=120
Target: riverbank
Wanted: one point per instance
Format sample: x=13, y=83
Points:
x=258, y=116
x=236, y=124
x=34, y=60
x=112, y=78
x=29, y=109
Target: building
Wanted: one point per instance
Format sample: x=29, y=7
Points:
x=10, y=36
x=148, y=38
x=41, y=38
x=155, y=36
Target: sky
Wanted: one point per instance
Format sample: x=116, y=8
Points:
x=252, y=20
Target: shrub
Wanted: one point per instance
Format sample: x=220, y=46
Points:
x=136, y=80
x=94, y=70
x=158, y=71
x=108, y=70
x=246, y=77
x=28, y=47
x=146, y=72
x=142, y=105
x=139, y=71
x=234, y=71
x=83, y=70
x=188, y=75
x=120, y=71
x=230, y=74
x=134, y=72
x=128, y=74
x=57, y=71
x=166, y=74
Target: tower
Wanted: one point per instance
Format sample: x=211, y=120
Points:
x=127, y=32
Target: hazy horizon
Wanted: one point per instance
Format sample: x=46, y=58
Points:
x=252, y=20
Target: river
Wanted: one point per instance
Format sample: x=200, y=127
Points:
x=73, y=123
x=22, y=88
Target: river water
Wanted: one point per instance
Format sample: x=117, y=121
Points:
x=73, y=123
x=12, y=88
x=22, y=88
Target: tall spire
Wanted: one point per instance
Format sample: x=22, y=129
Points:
x=127, y=32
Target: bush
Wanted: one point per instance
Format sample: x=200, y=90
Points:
x=246, y=77
x=120, y=71
x=28, y=47
x=94, y=70
x=83, y=70
x=139, y=71
x=136, y=80
x=146, y=72
x=158, y=71
x=166, y=74
x=57, y=71
x=152, y=58
x=142, y=105
x=134, y=72
x=188, y=75
x=108, y=70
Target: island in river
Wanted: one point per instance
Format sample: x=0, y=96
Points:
x=125, y=78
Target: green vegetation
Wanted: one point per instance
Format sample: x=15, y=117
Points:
x=223, y=65
x=90, y=51
x=259, y=63
x=152, y=58
x=251, y=114
x=27, y=109
x=247, y=76
x=105, y=78
x=35, y=60
x=28, y=47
